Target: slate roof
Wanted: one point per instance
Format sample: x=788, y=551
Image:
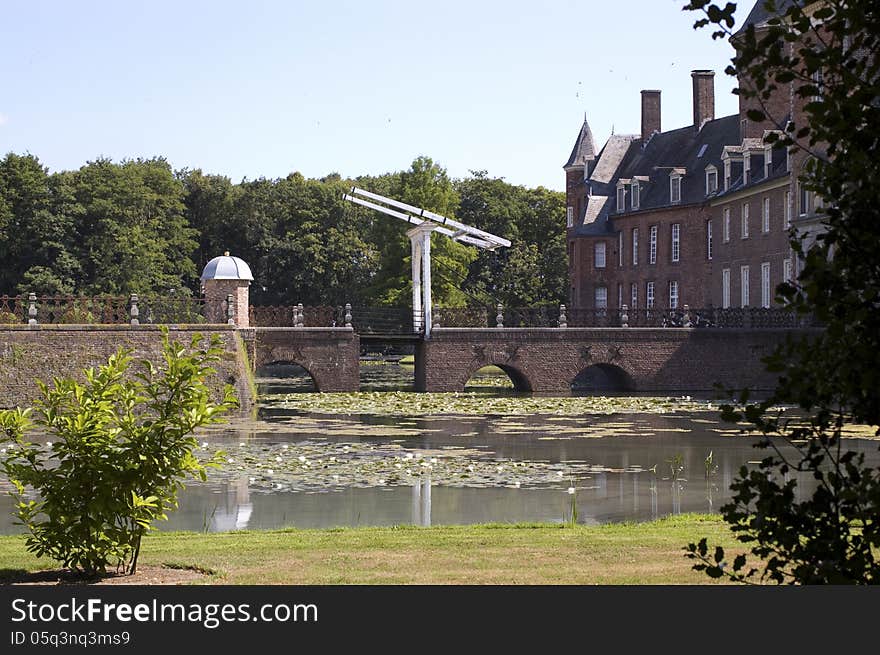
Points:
x=584, y=149
x=760, y=15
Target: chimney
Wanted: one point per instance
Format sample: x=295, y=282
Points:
x=704, y=96
x=650, y=114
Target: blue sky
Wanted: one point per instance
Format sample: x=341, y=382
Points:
x=262, y=89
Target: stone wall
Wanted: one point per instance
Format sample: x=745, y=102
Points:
x=650, y=359
x=48, y=351
x=330, y=355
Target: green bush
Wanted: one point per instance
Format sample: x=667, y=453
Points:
x=8, y=318
x=121, y=447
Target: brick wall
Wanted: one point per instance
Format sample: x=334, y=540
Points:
x=48, y=351
x=548, y=360
x=330, y=355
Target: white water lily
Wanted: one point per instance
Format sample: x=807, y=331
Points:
x=560, y=473
x=270, y=472
x=204, y=444
x=433, y=460
x=517, y=484
x=336, y=478
x=382, y=481
x=251, y=480
x=471, y=468
x=241, y=444
x=398, y=465
x=285, y=447
x=571, y=491
x=332, y=459
x=230, y=461
x=277, y=459
x=48, y=444
x=302, y=458
x=409, y=456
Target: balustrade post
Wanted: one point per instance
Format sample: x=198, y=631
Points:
x=230, y=309
x=32, y=309
x=348, y=314
x=624, y=316
x=299, y=315
x=563, y=319
x=133, y=310
x=499, y=317
x=686, y=319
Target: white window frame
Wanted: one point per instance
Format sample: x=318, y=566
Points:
x=620, y=249
x=569, y=216
x=728, y=172
x=711, y=186
x=786, y=224
x=744, y=228
x=786, y=269
x=599, y=251
x=709, y=239
x=747, y=168
x=635, y=239
x=652, y=245
x=621, y=198
x=725, y=288
x=676, y=241
x=725, y=228
x=635, y=195
x=673, y=294
x=601, y=297
x=675, y=188
x=649, y=295
x=765, y=214
x=765, y=285
x=768, y=160
x=804, y=201
x=634, y=295
x=744, y=286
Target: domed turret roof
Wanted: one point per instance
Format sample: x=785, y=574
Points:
x=227, y=267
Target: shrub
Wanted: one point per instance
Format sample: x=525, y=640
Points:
x=121, y=447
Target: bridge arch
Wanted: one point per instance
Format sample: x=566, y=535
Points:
x=262, y=366
x=602, y=376
x=519, y=377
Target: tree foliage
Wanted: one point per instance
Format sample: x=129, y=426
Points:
x=828, y=53
x=120, y=448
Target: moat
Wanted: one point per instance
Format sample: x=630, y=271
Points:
x=385, y=456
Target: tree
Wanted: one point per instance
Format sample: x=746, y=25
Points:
x=121, y=448
x=827, y=54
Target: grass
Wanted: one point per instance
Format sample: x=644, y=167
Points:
x=642, y=553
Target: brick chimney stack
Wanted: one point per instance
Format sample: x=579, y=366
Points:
x=704, y=96
x=650, y=114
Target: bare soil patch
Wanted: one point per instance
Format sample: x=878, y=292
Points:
x=146, y=575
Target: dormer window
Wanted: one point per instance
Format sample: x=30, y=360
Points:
x=768, y=161
x=747, y=168
x=675, y=185
x=635, y=194
x=621, y=197
x=726, y=174
x=711, y=180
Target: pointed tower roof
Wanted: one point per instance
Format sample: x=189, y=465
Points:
x=759, y=15
x=584, y=148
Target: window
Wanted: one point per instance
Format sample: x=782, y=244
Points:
x=619, y=296
x=599, y=252
x=744, y=285
x=635, y=194
x=711, y=180
x=649, y=295
x=765, y=216
x=635, y=235
x=569, y=216
x=725, y=288
x=673, y=295
x=787, y=222
x=676, y=241
x=621, y=198
x=765, y=285
x=601, y=297
x=675, y=189
x=747, y=168
x=620, y=248
x=725, y=229
x=745, y=221
x=768, y=161
x=818, y=82
x=726, y=174
x=652, y=245
x=786, y=270
x=634, y=295
x=709, y=239
x=804, y=200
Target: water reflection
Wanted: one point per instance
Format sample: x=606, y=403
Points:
x=625, y=467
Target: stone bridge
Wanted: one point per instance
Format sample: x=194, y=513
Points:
x=611, y=359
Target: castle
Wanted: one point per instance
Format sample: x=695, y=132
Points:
x=696, y=216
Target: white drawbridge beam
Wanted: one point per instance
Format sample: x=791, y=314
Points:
x=425, y=222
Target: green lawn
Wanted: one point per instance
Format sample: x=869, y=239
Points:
x=644, y=553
